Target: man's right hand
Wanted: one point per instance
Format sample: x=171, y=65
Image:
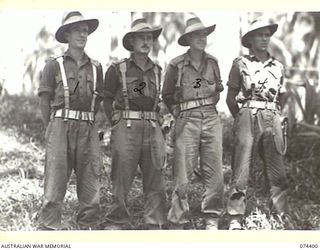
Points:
x=175, y=111
x=232, y=102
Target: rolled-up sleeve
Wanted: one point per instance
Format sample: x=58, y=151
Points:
x=48, y=79
x=234, y=79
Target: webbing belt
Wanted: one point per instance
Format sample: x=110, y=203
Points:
x=261, y=105
x=138, y=115
x=196, y=103
x=73, y=115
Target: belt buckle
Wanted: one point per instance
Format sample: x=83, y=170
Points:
x=142, y=115
x=201, y=102
x=267, y=105
x=86, y=117
x=125, y=114
x=65, y=114
x=91, y=116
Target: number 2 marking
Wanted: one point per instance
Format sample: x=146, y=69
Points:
x=141, y=85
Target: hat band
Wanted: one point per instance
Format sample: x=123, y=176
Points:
x=140, y=26
x=74, y=19
x=194, y=27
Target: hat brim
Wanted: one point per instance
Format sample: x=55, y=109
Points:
x=183, y=41
x=125, y=40
x=245, y=38
x=92, y=25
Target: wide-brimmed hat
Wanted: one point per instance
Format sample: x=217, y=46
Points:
x=194, y=24
x=255, y=25
x=72, y=18
x=140, y=26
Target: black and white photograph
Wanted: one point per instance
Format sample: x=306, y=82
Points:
x=135, y=121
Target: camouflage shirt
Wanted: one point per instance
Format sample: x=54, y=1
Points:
x=266, y=78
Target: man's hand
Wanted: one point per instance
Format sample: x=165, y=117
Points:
x=175, y=111
x=232, y=102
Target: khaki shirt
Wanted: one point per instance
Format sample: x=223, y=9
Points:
x=141, y=85
x=195, y=84
x=79, y=79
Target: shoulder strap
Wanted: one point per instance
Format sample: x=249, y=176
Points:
x=156, y=73
x=180, y=67
x=65, y=83
x=95, y=92
x=123, y=70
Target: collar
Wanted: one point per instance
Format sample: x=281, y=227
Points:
x=85, y=58
x=187, y=57
x=257, y=59
x=150, y=63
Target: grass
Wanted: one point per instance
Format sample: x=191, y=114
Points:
x=21, y=195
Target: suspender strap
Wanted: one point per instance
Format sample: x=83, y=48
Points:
x=66, y=89
x=180, y=66
x=156, y=101
x=65, y=86
x=95, y=92
x=65, y=83
x=123, y=69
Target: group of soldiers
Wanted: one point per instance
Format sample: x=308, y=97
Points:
x=72, y=88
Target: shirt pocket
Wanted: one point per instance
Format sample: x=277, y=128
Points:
x=59, y=87
x=189, y=77
x=135, y=86
x=189, y=84
x=72, y=82
x=212, y=75
x=151, y=88
x=246, y=79
x=89, y=84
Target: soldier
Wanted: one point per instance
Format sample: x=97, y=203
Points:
x=70, y=91
x=191, y=91
x=256, y=82
x=132, y=89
